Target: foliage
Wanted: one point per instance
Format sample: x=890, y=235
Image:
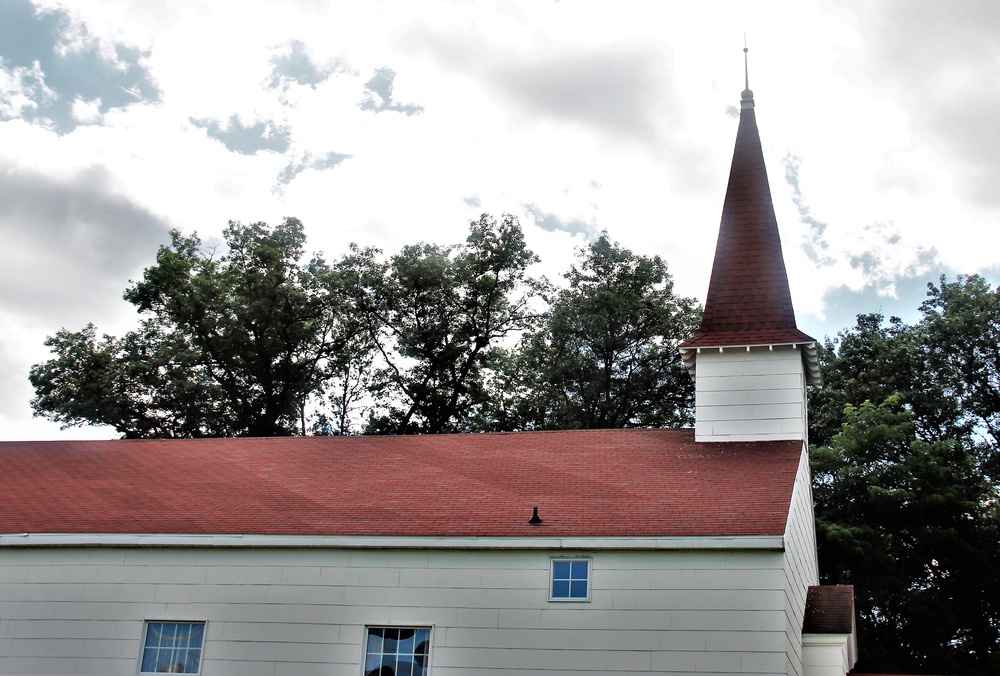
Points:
x=232, y=345
x=960, y=336
x=435, y=314
x=911, y=523
x=906, y=495
x=607, y=354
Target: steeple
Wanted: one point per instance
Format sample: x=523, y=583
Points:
x=749, y=301
x=749, y=304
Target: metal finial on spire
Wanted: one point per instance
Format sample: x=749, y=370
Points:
x=746, y=99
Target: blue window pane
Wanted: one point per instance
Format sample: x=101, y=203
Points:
x=578, y=570
x=561, y=570
x=578, y=589
x=560, y=589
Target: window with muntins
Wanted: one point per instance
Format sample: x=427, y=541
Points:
x=397, y=651
x=172, y=648
x=570, y=580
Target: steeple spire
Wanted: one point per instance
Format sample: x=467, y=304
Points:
x=746, y=98
x=749, y=302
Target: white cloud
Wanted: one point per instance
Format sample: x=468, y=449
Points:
x=87, y=112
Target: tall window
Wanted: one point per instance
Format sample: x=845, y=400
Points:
x=570, y=580
x=397, y=651
x=172, y=648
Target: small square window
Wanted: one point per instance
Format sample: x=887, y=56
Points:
x=397, y=651
x=172, y=648
x=570, y=580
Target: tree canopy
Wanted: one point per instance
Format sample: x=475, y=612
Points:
x=252, y=339
x=228, y=344
x=905, y=481
x=434, y=314
x=606, y=355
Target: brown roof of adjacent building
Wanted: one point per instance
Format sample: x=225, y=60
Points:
x=748, y=302
x=829, y=610
x=632, y=482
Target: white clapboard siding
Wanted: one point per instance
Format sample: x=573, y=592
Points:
x=801, y=563
x=303, y=611
x=750, y=395
x=828, y=654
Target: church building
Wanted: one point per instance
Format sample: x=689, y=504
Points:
x=625, y=551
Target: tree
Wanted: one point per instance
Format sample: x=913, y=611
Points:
x=960, y=337
x=906, y=493
x=871, y=361
x=435, y=314
x=607, y=354
x=913, y=525
x=229, y=345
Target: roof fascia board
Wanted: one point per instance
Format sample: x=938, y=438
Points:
x=747, y=346
x=736, y=542
x=810, y=356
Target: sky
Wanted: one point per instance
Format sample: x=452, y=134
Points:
x=387, y=123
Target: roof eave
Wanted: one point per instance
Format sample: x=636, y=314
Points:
x=631, y=543
x=810, y=356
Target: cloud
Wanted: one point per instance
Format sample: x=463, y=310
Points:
x=623, y=94
x=23, y=91
x=815, y=247
x=553, y=223
x=623, y=89
x=378, y=95
x=68, y=243
x=56, y=61
x=309, y=161
x=294, y=65
x=247, y=139
x=940, y=59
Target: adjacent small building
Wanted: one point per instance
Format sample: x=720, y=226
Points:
x=631, y=551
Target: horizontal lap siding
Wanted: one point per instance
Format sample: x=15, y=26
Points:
x=801, y=567
x=751, y=395
x=81, y=611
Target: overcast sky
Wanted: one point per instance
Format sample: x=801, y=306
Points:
x=387, y=123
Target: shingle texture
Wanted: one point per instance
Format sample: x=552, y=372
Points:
x=829, y=610
x=748, y=300
x=585, y=483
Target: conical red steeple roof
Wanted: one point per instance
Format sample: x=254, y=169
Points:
x=749, y=302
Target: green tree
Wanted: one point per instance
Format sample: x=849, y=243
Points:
x=435, y=315
x=871, y=361
x=913, y=525
x=607, y=354
x=229, y=345
x=906, y=493
x=960, y=340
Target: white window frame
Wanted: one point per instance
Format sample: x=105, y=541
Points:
x=416, y=627
x=172, y=620
x=570, y=559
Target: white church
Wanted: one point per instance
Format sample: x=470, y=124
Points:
x=630, y=551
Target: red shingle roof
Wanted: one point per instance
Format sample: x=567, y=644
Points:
x=748, y=300
x=585, y=483
x=829, y=610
